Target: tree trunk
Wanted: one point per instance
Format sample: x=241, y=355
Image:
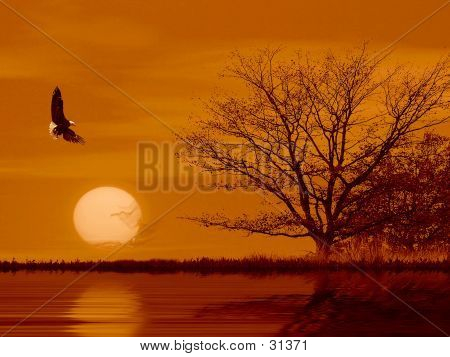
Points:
x=323, y=247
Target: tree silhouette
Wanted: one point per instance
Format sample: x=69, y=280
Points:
x=415, y=196
x=312, y=133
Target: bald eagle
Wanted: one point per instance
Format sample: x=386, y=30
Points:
x=60, y=124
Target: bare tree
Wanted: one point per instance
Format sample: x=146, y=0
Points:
x=316, y=131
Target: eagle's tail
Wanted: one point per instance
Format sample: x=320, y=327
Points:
x=51, y=130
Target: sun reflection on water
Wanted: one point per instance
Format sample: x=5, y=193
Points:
x=106, y=311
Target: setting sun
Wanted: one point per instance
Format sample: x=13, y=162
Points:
x=107, y=215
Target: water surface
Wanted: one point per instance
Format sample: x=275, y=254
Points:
x=311, y=304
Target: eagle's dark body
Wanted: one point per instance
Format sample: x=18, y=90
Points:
x=59, y=126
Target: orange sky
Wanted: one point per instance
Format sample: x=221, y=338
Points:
x=165, y=55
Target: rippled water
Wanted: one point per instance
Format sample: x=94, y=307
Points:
x=312, y=304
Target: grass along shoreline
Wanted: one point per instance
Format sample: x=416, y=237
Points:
x=250, y=265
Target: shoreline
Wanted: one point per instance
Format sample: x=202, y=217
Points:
x=258, y=265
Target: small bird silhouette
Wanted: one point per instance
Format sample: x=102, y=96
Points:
x=60, y=124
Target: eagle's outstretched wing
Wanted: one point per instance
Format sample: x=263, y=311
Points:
x=57, y=109
x=70, y=136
